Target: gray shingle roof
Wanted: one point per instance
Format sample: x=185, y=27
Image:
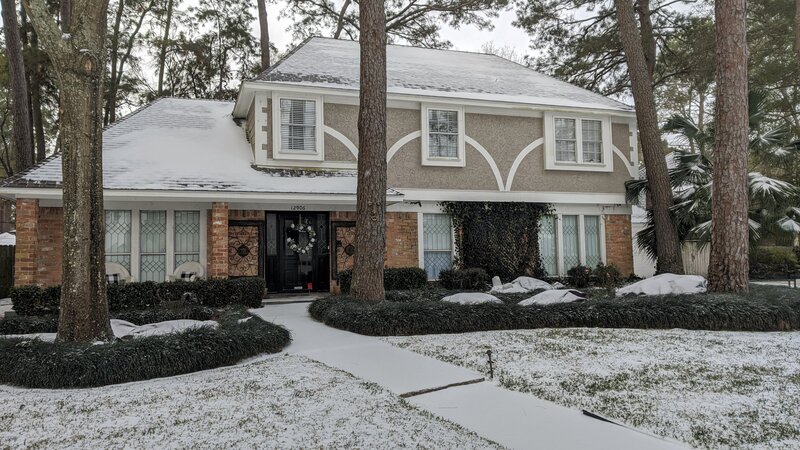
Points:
x=334, y=63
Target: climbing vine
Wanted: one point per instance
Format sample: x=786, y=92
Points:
x=501, y=238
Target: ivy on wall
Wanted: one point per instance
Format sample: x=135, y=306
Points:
x=501, y=238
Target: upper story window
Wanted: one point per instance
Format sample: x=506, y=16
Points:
x=297, y=127
x=577, y=143
x=443, y=136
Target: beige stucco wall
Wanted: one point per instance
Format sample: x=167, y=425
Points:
x=503, y=136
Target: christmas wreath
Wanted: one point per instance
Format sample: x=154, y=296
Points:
x=302, y=228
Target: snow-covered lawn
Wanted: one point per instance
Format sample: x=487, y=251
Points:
x=709, y=389
x=280, y=402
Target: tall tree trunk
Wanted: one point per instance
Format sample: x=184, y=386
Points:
x=648, y=37
x=728, y=268
x=111, y=96
x=797, y=29
x=65, y=14
x=162, y=52
x=79, y=62
x=368, y=264
x=263, y=26
x=23, y=35
x=668, y=246
x=37, y=75
x=23, y=143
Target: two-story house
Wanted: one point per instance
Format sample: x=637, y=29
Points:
x=266, y=186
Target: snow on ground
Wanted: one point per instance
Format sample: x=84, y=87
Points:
x=280, y=402
x=709, y=389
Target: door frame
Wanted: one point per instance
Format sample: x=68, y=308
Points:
x=320, y=279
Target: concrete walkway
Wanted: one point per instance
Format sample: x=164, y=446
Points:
x=513, y=419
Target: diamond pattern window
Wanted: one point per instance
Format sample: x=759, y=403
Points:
x=437, y=241
x=118, y=238
x=547, y=245
x=591, y=233
x=570, y=232
x=152, y=245
x=187, y=237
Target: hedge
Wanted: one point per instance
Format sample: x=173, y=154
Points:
x=49, y=323
x=393, y=278
x=766, y=308
x=38, y=364
x=38, y=301
x=473, y=279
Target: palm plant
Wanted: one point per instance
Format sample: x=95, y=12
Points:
x=774, y=203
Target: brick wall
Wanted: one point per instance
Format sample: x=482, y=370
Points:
x=619, y=243
x=218, y=240
x=402, y=249
x=40, y=244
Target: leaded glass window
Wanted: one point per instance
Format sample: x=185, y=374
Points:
x=547, y=245
x=437, y=243
x=152, y=245
x=592, y=141
x=566, y=140
x=442, y=133
x=591, y=230
x=118, y=238
x=569, y=226
x=298, y=125
x=187, y=237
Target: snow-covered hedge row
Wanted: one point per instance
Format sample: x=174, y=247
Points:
x=766, y=308
x=37, y=364
x=38, y=301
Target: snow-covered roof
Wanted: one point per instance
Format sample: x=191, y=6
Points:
x=187, y=145
x=334, y=63
x=8, y=239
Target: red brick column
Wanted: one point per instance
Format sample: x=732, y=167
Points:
x=619, y=242
x=402, y=248
x=218, y=241
x=27, y=220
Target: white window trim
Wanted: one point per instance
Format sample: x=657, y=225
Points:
x=460, y=160
x=550, y=143
x=561, y=267
x=421, y=239
x=319, y=132
x=170, y=254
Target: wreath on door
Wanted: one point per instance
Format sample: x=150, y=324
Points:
x=302, y=228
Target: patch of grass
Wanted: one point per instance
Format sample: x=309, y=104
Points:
x=37, y=364
x=765, y=308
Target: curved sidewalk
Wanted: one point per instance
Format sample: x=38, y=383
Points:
x=512, y=419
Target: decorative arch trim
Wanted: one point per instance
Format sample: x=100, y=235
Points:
x=489, y=159
x=401, y=142
x=631, y=170
x=343, y=139
x=525, y=151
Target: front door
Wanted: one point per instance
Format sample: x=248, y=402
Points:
x=303, y=253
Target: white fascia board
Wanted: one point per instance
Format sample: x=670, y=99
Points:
x=199, y=196
x=438, y=195
x=349, y=92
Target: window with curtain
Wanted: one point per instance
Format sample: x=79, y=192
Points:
x=118, y=238
x=569, y=232
x=442, y=133
x=187, y=237
x=591, y=231
x=566, y=140
x=592, y=141
x=152, y=245
x=298, y=125
x=547, y=245
x=437, y=245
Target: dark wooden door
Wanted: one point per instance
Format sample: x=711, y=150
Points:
x=303, y=252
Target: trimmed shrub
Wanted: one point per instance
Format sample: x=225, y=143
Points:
x=607, y=275
x=766, y=308
x=579, y=276
x=37, y=301
x=473, y=279
x=395, y=278
x=37, y=364
x=49, y=323
x=772, y=262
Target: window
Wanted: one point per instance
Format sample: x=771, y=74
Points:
x=187, y=237
x=443, y=136
x=592, y=141
x=577, y=143
x=591, y=233
x=566, y=140
x=547, y=245
x=118, y=238
x=569, y=230
x=297, y=125
x=152, y=245
x=437, y=244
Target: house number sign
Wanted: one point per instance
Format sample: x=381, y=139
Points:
x=297, y=208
